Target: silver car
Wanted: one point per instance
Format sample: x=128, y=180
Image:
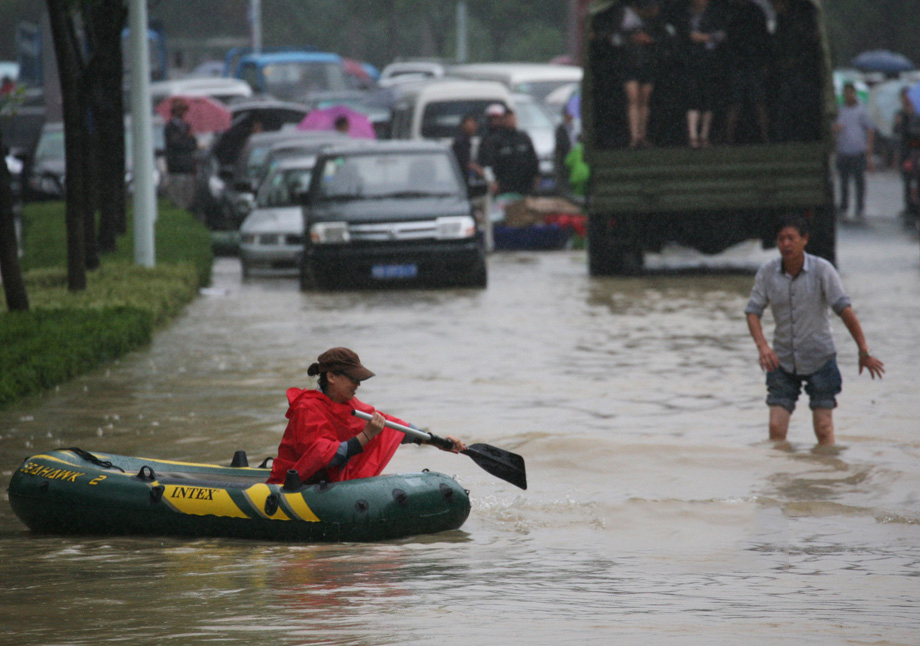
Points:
x=271, y=236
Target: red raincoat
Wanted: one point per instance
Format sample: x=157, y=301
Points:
x=316, y=427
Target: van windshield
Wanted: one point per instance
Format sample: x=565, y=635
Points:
x=293, y=80
x=385, y=175
x=441, y=119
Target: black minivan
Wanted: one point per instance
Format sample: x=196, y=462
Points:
x=390, y=213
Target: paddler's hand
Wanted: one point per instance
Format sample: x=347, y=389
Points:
x=458, y=445
x=372, y=429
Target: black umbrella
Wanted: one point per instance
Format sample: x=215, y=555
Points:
x=882, y=60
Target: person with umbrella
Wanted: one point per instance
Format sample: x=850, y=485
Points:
x=180, y=155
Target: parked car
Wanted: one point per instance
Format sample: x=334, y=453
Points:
x=243, y=180
x=46, y=171
x=216, y=162
x=388, y=213
x=271, y=236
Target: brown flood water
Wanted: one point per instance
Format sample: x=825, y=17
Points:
x=657, y=512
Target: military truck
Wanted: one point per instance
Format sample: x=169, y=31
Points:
x=767, y=157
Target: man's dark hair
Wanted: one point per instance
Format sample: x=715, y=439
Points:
x=798, y=222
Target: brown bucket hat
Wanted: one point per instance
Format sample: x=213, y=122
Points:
x=340, y=360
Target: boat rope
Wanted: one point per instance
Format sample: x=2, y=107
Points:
x=89, y=457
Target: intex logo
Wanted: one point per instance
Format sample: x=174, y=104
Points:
x=192, y=493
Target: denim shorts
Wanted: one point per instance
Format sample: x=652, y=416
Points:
x=822, y=386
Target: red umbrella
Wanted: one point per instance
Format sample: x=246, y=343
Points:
x=359, y=126
x=204, y=113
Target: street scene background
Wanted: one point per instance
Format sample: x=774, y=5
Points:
x=657, y=511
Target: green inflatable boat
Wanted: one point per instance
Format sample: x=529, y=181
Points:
x=71, y=491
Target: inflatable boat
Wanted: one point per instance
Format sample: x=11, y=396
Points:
x=72, y=491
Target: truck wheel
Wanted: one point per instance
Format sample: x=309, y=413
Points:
x=608, y=255
x=600, y=257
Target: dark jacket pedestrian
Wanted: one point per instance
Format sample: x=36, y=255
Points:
x=463, y=148
x=180, y=156
x=516, y=164
x=495, y=130
x=566, y=138
x=180, y=141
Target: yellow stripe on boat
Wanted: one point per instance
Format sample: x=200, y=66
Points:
x=257, y=495
x=201, y=501
x=299, y=506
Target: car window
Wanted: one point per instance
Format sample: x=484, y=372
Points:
x=389, y=175
x=283, y=188
x=441, y=119
x=256, y=160
x=531, y=116
x=51, y=145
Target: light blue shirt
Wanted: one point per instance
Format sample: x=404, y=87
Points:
x=802, y=339
x=855, y=124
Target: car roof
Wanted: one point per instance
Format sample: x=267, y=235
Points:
x=309, y=138
x=448, y=87
x=292, y=57
x=260, y=103
x=370, y=146
x=520, y=72
x=397, y=68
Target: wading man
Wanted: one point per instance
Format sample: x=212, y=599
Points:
x=799, y=288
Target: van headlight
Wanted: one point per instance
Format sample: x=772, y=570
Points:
x=329, y=233
x=455, y=227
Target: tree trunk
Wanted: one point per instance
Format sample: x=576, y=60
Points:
x=105, y=21
x=13, y=285
x=67, y=54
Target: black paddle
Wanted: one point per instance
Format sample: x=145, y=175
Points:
x=500, y=463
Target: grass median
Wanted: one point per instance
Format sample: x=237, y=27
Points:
x=66, y=334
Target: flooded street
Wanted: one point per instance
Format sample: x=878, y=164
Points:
x=657, y=512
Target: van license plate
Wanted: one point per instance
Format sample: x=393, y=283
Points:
x=387, y=272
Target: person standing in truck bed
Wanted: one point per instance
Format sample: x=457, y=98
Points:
x=747, y=57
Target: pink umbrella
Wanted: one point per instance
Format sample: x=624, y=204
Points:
x=204, y=113
x=359, y=126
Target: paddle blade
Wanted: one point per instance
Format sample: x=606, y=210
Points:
x=500, y=463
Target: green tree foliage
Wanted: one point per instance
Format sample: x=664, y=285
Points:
x=857, y=25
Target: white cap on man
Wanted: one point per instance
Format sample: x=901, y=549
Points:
x=495, y=110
